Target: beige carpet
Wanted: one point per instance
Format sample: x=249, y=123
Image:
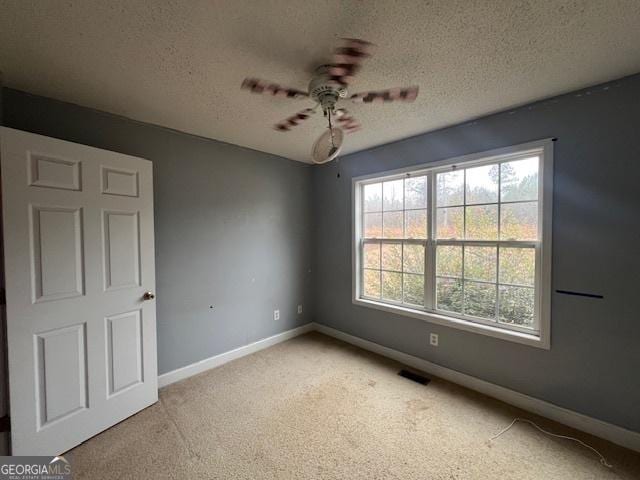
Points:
x=316, y=408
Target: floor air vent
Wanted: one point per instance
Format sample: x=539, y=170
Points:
x=416, y=377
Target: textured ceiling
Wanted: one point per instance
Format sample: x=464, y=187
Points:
x=180, y=63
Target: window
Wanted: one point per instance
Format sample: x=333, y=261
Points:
x=464, y=242
x=395, y=232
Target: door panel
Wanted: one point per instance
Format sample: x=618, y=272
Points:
x=46, y=171
x=56, y=239
x=121, y=249
x=79, y=255
x=119, y=182
x=62, y=370
x=124, y=351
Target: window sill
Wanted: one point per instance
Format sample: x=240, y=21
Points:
x=444, y=320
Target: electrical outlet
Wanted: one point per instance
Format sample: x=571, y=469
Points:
x=433, y=339
x=276, y=314
x=299, y=309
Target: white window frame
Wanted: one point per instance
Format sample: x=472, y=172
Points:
x=542, y=310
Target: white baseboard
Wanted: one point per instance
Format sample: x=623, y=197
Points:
x=217, y=360
x=608, y=431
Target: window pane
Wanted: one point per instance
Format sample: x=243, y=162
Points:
x=517, y=265
x=415, y=224
x=372, y=255
x=519, y=221
x=415, y=192
x=450, y=222
x=450, y=188
x=480, y=263
x=517, y=305
x=413, y=258
x=392, y=286
x=482, y=222
x=392, y=256
x=482, y=184
x=449, y=261
x=372, y=225
x=371, y=287
x=373, y=197
x=449, y=295
x=413, y=289
x=480, y=299
x=393, y=195
x=519, y=180
x=392, y=225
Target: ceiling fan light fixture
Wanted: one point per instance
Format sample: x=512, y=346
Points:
x=327, y=146
x=328, y=87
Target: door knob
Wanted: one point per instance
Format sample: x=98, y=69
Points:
x=148, y=296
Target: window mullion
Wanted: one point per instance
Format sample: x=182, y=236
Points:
x=498, y=274
x=361, y=233
x=404, y=235
x=429, y=254
x=361, y=267
x=464, y=236
x=498, y=245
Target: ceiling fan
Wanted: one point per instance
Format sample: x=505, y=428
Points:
x=328, y=86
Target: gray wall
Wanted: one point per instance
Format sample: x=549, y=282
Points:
x=593, y=366
x=233, y=228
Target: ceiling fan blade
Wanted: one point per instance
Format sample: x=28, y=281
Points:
x=294, y=120
x=407, y=94
x=346, y=121
x=347, y=60
x=255, y=85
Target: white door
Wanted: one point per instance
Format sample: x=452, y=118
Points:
x=79, y=257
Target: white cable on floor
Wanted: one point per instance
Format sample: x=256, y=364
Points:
x=603, y=460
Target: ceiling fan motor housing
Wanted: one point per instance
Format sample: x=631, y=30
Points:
x=324, y=91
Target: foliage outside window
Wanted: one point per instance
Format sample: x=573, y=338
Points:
x=461, y=241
